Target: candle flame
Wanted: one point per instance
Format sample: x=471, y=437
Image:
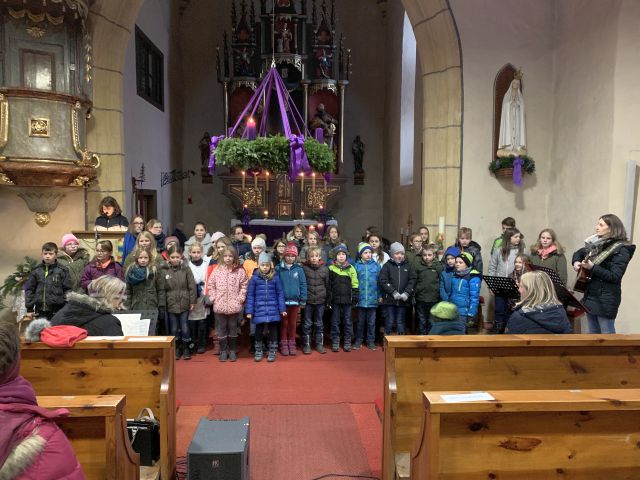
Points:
x=251, y=121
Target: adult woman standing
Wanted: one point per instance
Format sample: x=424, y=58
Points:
x=605, y=255
x=547, y=252
x=539, y=310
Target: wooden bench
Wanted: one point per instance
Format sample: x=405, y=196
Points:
x=97, y=429
x=142, y=368
x=414, y=364
x=536, y=434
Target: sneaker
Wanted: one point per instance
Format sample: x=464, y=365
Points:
x=258, y=356
x=357, y=345
x=335, y=347
x=271, y=357
x=233, y=356
x=200, y=350
x=306, y=349
x=320, y=348
x=372, y=346
x=223, y=356
x=347, y=347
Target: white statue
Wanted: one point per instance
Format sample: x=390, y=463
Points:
x=513, y=138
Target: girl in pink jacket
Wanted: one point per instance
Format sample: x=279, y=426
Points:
x=227, y=290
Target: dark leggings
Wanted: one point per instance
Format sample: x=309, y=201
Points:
x=273, y=332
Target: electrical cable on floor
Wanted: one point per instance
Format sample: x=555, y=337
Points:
x=344, y=475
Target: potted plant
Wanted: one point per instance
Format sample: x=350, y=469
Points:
x=13, y=284
x=503, y=167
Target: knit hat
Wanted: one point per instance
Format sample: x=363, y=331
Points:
x=395, y=248
x=264, y=258
x=466, y=257
x=62, y=335
x=444, y=311
x=362, y=246
x=259, y=242
x=69, y=238
x=217, y=236
x=453, y=251
x=339, y=248
x=171, y=239
x=291, y=249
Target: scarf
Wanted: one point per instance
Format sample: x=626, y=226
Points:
x=197, y=263
x=137, y=274
x=544, y=253
x=463, y=273
x=267, y=276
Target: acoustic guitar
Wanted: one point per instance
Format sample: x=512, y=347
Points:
x=584, y=275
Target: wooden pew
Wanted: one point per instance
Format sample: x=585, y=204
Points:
x=536, y=434
x=142, y=368
x=97, y=429
x=414, y=364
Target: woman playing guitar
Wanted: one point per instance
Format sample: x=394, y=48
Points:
x=605, y=256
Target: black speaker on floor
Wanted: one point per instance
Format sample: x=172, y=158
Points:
x=219, y=450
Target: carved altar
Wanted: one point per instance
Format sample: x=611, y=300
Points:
x=314, y=66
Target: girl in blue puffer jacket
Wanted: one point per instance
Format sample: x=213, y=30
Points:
x=368, y=271
x=265, y=304
x=465, y=288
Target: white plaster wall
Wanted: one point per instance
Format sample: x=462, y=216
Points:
x=202, y=27
x=400, y=202
x=494, y=33
x=147, y=130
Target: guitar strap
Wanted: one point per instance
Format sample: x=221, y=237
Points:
x=602, y=256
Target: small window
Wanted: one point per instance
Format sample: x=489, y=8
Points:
x=149, y=70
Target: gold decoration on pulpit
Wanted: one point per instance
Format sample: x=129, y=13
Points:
x=4, y=121
x=88, y=159
x=42, y=218
x=81, y=181
x=39, y=127
x=36, y=31
x=5, y=180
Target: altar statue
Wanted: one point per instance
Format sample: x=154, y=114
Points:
x=513, y=139
x=205, y=148
x=322, y=119
x=357, y=148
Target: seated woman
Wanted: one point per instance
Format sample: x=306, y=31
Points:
x=32, y=446
x=539, y=310
x=93, y=312
x=110, y=216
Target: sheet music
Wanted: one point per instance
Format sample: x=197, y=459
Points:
x=133, y=325
x=467, y=397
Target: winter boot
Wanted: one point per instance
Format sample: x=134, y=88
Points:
x=223, y=350
x=233, y=346
x=347, y=345
x=202, y=337
x=252, y=348
x=179, y=348
x=320, y=343
x=216, y=344
x=284, y=348
x=188, y=350
x=273, y=346
x=306, y=349
x=258, y=354
x=292, y=347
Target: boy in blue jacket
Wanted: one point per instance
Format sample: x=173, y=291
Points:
x=265, y=304
x=368, y=271
x=449, y=261
x=294, y=284
x=465, y=288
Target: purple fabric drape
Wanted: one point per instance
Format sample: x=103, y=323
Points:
x=518, y=163
x=298, y=161
x=212, y=154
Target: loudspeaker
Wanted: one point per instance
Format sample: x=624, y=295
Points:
x=219, y=450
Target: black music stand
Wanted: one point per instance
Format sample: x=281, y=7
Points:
x=553, y=275
x=502, y=286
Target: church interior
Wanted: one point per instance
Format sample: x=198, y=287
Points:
x=133, y=99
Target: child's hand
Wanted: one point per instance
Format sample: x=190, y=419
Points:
x=577, y=265
x=243, y=321
x=191, y=307
x=284, y=314
x=249, y=316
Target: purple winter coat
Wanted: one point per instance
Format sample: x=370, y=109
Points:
x=93, y=270
x=46, y=451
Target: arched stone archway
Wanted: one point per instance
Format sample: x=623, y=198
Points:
x=439, y=51
x=110, y=24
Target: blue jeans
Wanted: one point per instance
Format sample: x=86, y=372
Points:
x=598, y=324
x=395, y=314
x=501, y=314
x=341, y=313
x=366, y=316
x=178, y=322
x=313, y=316
x=423, y=312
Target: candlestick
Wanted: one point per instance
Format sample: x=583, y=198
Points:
x=243, y=180
x=325, y=185
x=313, y=182
x=251, y=129
x=255, y=181
x=441, y=225
x=266, y=214
x=267, y=186
x=301, y=189
x=302, y=215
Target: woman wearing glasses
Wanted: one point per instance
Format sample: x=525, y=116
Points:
x=135, y=227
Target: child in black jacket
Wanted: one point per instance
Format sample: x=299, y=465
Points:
x=46, y=288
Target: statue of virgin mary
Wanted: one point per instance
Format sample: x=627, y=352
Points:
x=513, y=138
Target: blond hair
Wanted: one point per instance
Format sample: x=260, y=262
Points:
x=538, y=290
x=106, y=289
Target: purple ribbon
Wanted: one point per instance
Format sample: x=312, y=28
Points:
x=298, y=161
x=518, y=163
x=212, y=153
